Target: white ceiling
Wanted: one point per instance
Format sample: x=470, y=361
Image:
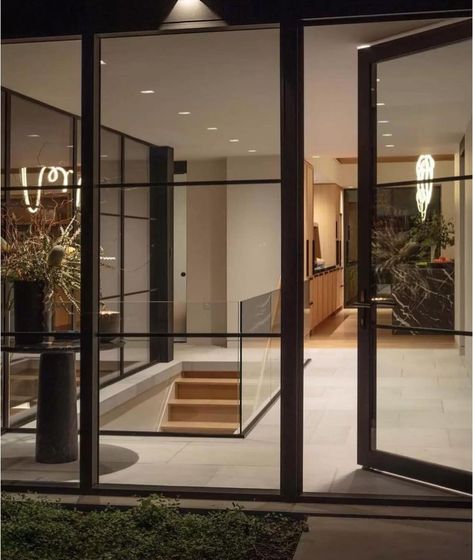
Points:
x=231, y=81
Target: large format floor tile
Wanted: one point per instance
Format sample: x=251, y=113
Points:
x=423, y=412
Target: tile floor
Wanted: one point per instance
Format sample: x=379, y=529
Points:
x=424, y=411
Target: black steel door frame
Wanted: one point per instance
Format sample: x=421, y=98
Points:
x=291, y=25
x=368, y=455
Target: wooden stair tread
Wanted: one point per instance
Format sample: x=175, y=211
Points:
x=203, y=402
x=210, y=374
x=205, y=381
x=192, y=426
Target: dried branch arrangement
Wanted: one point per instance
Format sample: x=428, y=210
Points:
x=43, y=250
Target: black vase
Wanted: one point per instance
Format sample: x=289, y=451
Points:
x=30, y=311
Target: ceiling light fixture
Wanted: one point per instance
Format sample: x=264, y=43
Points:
x=252, y=151
x=234, y=140
x=389, y=145
x=380, y=104
x=103, y=63
x=33, y=135
x=315, y=157
x=366, y=46
x=383, y=122
x=70, y=145
x=425, y=172
x=147, y=91
x=387, y=134
x=103, y=155
x=212, y=128
x=378, y=79
x=184, y=113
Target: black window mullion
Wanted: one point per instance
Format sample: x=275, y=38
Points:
x=90, y=220
x=292, y=257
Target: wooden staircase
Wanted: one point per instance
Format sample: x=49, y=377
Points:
x=204, y=402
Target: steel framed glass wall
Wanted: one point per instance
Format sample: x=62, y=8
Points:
x=292, y=251
x=218, y=371
x=55, y=145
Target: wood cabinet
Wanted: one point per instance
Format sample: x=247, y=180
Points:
x=326, y=294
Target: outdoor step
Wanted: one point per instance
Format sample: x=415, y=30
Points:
x=211, y=374
x=207, y=388
x=199, y=427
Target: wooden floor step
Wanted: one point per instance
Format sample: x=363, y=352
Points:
x=199, y=427
x=211, y=374
x=204, y=410
x=207, y=388
x=204, y=402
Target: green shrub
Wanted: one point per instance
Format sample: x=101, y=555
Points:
x=154, y=530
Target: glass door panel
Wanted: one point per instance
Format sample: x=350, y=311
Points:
x=415, y=248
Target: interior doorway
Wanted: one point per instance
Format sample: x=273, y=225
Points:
x=381, y=384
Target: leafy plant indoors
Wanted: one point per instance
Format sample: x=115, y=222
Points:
x=154, y=530
x=434, y=232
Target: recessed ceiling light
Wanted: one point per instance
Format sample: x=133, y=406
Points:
x=252, y=151
x=212, y=128
x=234, y=140
x=380, y=104
x=389, y=145
x=383, y=122
x=70, y=145
x=315, y=157
x=33, y=135
x=103, y=155
x=387, y=134
x=184, y=113
x=378, y=79
x=365, y=46
x=147, y=91
x=103, y=63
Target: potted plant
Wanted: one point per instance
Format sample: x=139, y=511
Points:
x=434, y=233
x=41, y=263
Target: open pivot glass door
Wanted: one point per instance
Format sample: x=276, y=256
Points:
x=415, y=246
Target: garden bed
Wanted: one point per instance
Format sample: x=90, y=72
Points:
x=154, y=530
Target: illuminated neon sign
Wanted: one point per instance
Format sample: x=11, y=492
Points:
x=425, y=172
x=54, y=173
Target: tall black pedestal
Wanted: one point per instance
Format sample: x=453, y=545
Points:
x=56, y=435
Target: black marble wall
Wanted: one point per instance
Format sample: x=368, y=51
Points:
x=423, y=296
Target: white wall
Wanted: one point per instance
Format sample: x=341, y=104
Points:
x=180, y=256
x=233, y=239
x=206, y=248
x=253, y=231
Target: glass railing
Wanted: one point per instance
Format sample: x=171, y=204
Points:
x=260, y=318
x=213, y=370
